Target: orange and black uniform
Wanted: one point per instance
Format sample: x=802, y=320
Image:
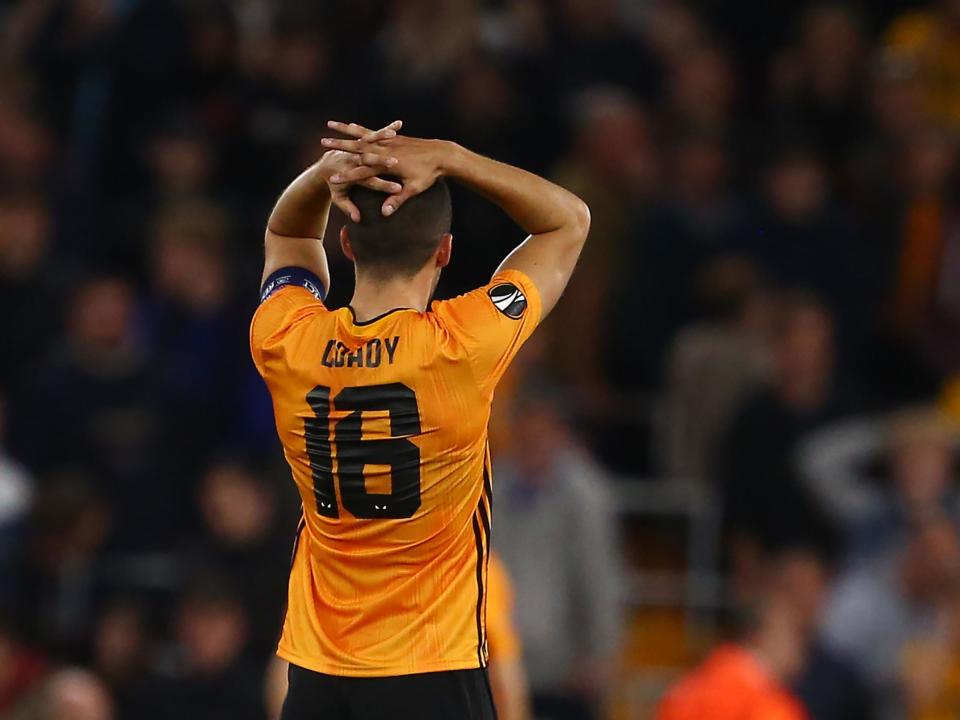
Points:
x=384, y=426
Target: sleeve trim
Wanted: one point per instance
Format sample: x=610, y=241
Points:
x=296, y=276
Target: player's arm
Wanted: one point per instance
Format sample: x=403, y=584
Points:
x=508, y=683
x=557, y=220
x=294, y=235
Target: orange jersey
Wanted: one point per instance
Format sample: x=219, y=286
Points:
x=384, y=426
x=730, y=685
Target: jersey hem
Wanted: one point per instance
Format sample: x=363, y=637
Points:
x=338, y=671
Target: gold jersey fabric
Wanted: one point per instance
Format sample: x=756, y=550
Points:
x=384, y=426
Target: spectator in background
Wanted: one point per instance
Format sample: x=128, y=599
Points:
x=21, y=669
x=613, y=161
x=212, y=83
x=818, y=83
x=777, y=669
x=896, y=99
x=930, y=667
x=58, y=41
x=701, y=92
x=62, y=573
x=712, y=366
x=673, y=29
x=696, y=220
x=800, y=238
x=101, y=393
x=880, y=606
x=613, y=166
x=593, y=45
x=751, y=678
x=895, y=105
x=915, y=452
x=927, y=168
x=927, y=38
x=924, y=306
x=26, y=145
x=241, y=538
x=16, y=494
x=494, y=116
x=829, y=685
x=210, y=676
x=179, y=162
x=120, y=650
x=412, y=55
x=294, y=85
x=424, y=41
x=556, y=532
x=764, y=502
x=198, y=329
x=911, y=224
x=30, y=289
x=71, y=694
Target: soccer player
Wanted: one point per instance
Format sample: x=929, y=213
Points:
x=382, y=410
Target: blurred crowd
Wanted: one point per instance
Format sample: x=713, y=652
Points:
x=767, y=310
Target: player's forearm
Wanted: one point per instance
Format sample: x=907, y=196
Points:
x=303, y=208
x=295, y=229
x=557, y=220
x=535, y=204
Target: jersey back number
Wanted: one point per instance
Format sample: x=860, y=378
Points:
x=353, y=453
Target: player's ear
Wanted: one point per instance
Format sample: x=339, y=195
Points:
x=445, y=250
x=345, y=244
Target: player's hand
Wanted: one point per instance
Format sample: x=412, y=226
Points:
x=417, y=162
x=359, y=132
x=341, y=169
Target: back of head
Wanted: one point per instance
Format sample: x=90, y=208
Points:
x=404, y=242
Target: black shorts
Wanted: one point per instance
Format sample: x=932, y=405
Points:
x=451, y=695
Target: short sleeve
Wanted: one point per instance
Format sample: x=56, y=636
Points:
x=283, y=295
x=493, y=322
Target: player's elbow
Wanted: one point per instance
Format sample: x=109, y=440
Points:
x=580, y=219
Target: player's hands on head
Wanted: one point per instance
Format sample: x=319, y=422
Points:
x=342, y=168
x=415, y=161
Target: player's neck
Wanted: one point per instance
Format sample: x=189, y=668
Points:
x=373, y=297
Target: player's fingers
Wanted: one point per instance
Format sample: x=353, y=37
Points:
x=346, y=205
x=354, y=175
x=352, y=129
x=359, y=132
x=381, y=185
x=393, y=203
x=384, y=133
x=377, y=160
x=351, y=146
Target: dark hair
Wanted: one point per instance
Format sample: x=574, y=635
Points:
x=403, y=242
x=792, y=304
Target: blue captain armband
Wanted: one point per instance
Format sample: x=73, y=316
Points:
x=297, y=276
